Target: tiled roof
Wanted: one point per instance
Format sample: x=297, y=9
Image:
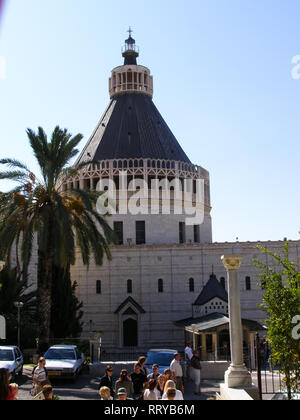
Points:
x=213, y=321
x=132, y=127
x=213, y=289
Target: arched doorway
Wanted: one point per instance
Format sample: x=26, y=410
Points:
x=130, y=333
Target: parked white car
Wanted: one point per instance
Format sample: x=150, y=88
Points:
x=65, y=362
x=12, y=359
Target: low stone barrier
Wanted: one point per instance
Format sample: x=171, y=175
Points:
x=214, y=370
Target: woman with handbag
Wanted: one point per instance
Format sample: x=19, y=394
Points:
x=40, y=377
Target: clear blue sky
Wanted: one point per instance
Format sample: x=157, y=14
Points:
x=222, y=74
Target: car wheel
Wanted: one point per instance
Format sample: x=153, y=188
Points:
x=13, y=376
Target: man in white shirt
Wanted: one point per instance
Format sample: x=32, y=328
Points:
x=177, y=371
x=188, y=357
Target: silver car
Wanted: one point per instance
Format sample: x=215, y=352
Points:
x=64, y=362
x=11, y=358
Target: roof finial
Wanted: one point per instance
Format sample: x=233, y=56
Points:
x=130, y=51
x=130, y=31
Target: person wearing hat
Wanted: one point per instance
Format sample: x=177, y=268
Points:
x=122, y=395
x=107, y=380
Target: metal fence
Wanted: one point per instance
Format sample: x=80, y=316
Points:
x=124, y=356
x=266, y=374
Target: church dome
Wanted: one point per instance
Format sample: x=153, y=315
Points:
x=132, y=127
x=134, y=156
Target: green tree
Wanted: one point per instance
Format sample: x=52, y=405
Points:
x=40, y=209
x=281, y=285
x=66, y=310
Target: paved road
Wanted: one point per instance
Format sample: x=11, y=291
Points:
x=86, y=388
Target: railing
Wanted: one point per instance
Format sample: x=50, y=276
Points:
x=130, y=356
x=130, y=47
x=266, y=374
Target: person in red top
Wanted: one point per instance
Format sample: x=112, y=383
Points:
x=8, y=392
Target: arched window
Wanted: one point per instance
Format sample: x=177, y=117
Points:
x=222, y=281
x=98, y=287
x=129, y=286
x=192, y=285
x=160, y=286
x=248, y=283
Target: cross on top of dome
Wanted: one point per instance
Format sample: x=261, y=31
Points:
x=130, y=31
x=130, y=51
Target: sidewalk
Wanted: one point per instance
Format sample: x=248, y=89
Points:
x=208, y=389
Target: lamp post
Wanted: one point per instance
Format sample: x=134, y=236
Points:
x=19, y=306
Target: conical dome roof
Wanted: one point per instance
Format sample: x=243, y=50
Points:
x=132, y=127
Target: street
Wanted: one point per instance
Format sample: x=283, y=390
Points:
x=86, y=388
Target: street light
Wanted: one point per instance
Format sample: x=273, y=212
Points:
x=19, y=306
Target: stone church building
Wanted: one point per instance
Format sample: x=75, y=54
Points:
x=162, y=264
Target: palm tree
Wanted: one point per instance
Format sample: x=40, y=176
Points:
x=38, y=213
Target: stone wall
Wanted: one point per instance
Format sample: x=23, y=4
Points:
x=175, y=264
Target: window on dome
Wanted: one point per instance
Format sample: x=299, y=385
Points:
x=118, y=229
x=140, y=233
x=181, y=232
x=196, y=234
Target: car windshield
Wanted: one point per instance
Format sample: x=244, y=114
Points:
x=161, y=359
x=60, y=354
x=6, y=355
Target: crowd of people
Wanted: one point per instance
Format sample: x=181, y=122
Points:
x=137, y=385
x=144, y=385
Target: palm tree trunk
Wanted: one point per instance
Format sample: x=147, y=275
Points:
x=45, y=264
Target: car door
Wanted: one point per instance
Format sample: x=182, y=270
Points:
x=79, y=360
x=20, y=358
x=17, y=360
